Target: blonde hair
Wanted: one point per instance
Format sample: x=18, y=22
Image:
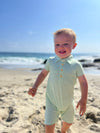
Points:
x=66, y=31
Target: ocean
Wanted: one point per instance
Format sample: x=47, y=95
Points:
x=12, y=60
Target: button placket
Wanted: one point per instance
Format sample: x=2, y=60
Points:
x=61, y=69
x=60, y=75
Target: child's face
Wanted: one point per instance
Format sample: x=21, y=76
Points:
x=63, y=45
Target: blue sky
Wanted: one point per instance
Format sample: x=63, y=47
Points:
x=28, y=25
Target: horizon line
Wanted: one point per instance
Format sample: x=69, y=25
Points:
x=47, y=52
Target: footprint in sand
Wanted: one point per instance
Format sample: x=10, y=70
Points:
x=8, y=118
x=91, y=116
x=27, y=79
x=95, y=128
x=37, y=119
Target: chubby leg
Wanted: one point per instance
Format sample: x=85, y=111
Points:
x=65, y=127
x=49, y=128
x=51, y=116
x=68, y=118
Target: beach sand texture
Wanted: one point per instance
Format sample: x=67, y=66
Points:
x=21, y=113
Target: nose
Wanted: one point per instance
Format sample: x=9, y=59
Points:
x=61, y=46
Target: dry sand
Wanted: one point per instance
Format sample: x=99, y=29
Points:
x=21, y=113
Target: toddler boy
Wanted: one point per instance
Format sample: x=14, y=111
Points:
x=64, y=71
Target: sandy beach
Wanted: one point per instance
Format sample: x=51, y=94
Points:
x=21, y=113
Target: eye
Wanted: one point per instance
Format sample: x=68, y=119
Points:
x=57, y=45
x=65, y=44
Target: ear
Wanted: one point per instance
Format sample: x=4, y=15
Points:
x=74, y=45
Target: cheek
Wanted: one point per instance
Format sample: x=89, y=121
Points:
x=68, y=48
x=56, y=50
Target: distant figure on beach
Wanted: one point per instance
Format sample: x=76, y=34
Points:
x=63, y=72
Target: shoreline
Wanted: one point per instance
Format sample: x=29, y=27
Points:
x=38, y=68
x=21, y=113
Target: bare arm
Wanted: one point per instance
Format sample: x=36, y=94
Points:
x=84, y=94
x=39, y=80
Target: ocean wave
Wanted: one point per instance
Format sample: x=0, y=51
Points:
x=20, y=60
x=35, y=60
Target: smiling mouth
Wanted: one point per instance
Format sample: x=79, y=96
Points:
x=62, y=52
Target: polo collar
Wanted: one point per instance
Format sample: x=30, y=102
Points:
x=68, y=59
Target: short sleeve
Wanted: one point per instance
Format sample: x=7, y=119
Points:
x=47, y=65
x=80, y=70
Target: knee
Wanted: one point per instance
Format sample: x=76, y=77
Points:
x=65, y=127
x=49, y=128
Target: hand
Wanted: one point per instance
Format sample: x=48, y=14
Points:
x=82, y=105
x=32, y=91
